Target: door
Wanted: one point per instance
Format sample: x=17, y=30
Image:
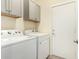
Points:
x=64, y=29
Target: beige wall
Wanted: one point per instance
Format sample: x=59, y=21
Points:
x=12, y=23
x=25, y=24
x=29, y=25
x=7, y=23
x=45, y=23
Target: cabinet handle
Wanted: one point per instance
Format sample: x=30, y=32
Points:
x=9, y=6
x=9, y=11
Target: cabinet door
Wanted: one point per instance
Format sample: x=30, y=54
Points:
x=24, y=50
x=4, y=6
x=16, y=6
x=43, y=50
x=34, y=11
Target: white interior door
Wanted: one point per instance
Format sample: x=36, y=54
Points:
x=64, y=26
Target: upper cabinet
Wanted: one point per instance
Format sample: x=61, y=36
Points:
x=34, y=11
x=16, y=7
x=11, y=7
x=31, y=10
x=27, y=9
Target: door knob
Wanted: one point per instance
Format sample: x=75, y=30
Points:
x=76, y=41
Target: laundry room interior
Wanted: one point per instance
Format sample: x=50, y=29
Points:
x=39, y=29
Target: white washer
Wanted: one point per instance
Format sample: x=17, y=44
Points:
x=18, y=47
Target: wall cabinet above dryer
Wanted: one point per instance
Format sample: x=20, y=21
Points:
x=31, y=10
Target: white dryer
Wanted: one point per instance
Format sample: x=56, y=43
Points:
x=42, y=44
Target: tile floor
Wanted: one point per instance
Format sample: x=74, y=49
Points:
x=54, y=57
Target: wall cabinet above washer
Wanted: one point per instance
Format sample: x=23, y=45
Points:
x=11, y=7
